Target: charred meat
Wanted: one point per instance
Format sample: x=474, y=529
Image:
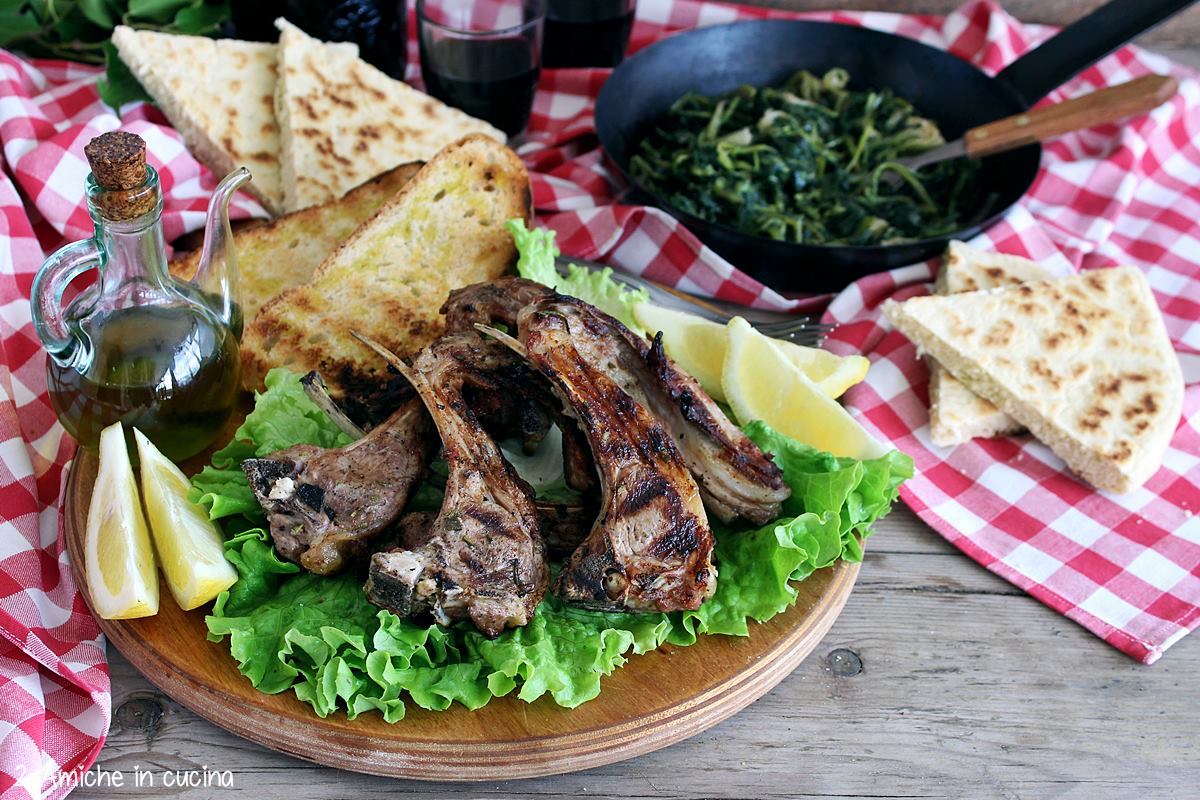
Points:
x=498, y=303
x=482, y=557
x=736, y=478
x=650, y=548
x=493, y=303
x=325, y=506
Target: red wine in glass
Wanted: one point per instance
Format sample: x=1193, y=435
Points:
x=587, y=33
x=483, y=56
x=493, y=80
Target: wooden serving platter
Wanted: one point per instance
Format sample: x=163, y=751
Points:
x=654, y=701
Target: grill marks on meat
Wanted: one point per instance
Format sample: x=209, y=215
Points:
x=735, y=477
x=498, y=303
x=494, y=303
x=482, y=557
x=325, y=506
x=650, y=549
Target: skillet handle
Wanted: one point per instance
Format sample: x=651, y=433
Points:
x=1084, y=42
x=1105, y=105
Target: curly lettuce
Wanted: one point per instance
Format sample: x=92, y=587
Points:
x=537, y=261
x=320, y=638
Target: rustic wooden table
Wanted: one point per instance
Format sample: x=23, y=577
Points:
x=939, y=680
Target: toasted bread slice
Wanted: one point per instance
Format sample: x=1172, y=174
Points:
x=285, y=252
x=956, y=414
x=342, y=120
x=443, y=230
x=1083, y=362
x=219, y=94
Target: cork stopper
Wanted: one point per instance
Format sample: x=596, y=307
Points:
x=118, y=162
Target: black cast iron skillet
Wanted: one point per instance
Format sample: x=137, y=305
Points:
x=951, y=91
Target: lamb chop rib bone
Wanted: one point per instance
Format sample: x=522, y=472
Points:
x=650, y=549
x=483, y=557
x=736, y=478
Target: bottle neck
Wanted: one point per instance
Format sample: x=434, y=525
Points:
x=134, y=250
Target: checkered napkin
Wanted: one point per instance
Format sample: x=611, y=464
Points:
x=54, y=690
x=1123, y=567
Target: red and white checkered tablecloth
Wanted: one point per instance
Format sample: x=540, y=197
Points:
x=1127, y=568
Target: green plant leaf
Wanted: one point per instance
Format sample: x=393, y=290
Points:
x=98, y=13
x=201, y=19
x=118, y=86
x=157, y=11
x=537, y=263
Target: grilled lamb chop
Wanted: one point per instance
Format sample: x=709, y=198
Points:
x=325, y=506
x=493, y=303
x=650, y=549
x=736, y=478
x=482, y=558
x=563, y=528
x=498, y=302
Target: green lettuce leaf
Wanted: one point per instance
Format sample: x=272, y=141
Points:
x=564, y=651
x=859, y=492
x=283, y=416
x=536, y=261
x=320, y=637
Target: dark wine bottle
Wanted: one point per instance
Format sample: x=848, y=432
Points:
x=378, y=28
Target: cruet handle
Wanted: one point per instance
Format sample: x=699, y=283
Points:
x=52, y=279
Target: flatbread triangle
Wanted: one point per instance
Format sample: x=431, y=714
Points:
x=956, y=414
x=1083, y=362
x=219, y=94
x=343, y=121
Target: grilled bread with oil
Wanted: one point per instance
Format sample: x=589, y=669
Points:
x=444, y=229
x=1083, y=362
x=285, y=252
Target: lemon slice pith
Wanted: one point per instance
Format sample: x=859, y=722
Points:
x=190, y=548
x=699, y=347
x=119, y=560
x=761, y=383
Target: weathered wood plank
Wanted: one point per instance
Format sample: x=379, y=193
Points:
x=967, y=688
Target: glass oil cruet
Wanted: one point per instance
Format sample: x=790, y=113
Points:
x=138, y=345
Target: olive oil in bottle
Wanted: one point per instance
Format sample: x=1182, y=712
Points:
x=139, y=346
x=169, y=371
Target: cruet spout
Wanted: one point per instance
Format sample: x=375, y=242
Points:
x=217, y=275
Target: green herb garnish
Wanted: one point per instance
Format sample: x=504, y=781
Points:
x=809, y=161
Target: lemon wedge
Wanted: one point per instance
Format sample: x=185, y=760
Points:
x=694, y=343
x=190, y=548
x=698, y=346
x=119, y=560
x=761, y=383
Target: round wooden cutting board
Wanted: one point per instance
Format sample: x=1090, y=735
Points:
x=655, y=700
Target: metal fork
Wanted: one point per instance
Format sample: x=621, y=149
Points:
x=802, y=329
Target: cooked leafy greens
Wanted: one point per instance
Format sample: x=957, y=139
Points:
x=810, y=161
